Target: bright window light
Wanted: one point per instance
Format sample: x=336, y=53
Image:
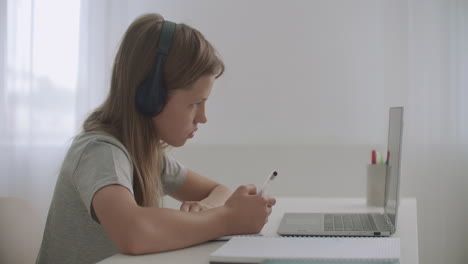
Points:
x=42, y=66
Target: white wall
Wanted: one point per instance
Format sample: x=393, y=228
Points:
x=312, y=72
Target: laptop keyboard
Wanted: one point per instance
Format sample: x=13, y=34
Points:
x=349, y=222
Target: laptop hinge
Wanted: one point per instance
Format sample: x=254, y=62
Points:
x=389, y=224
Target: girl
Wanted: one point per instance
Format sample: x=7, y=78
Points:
x=108, y=194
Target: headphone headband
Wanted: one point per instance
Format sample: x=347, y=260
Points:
x=151, y=95
x=165, y=38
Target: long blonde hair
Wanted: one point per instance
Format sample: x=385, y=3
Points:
x=190, y=57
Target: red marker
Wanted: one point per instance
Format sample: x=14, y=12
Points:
x=388, y=157
x=374, y=156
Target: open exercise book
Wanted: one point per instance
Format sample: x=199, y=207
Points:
x=338, y=249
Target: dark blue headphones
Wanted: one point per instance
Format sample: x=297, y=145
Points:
x=151, y=95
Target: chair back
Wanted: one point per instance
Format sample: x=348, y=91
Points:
x=20, y=231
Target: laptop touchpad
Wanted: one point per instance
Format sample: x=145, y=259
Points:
x=309, y=220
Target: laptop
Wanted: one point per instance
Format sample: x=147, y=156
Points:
x=357, y=224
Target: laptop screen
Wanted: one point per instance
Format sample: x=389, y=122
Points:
x=395, y=131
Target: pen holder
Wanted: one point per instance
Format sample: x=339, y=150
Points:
x=376, y=176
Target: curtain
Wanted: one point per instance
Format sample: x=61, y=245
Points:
x=55, y=64
x=436, y=145
x=39, y=63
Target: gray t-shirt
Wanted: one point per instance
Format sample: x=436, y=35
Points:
x=94, y=160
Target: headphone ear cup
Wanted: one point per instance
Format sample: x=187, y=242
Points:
x=151, y=95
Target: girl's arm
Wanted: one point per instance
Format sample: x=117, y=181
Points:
x=200, y=193
x=141, y=230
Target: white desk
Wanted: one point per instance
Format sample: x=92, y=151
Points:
x=406, y=230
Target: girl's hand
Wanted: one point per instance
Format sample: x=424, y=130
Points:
x=194, y=206
x=248, y=211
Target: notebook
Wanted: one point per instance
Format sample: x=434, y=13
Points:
x=338, y=249
x=224, y=238
x=357, y=224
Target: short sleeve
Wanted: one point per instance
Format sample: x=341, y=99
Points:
x=101, y=164
x=173, y=174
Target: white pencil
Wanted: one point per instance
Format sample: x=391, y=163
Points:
x=270, y=178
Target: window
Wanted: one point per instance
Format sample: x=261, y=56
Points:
x=39, y=71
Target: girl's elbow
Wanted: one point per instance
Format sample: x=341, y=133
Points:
x=140, y=242
x=130, y=249
x=130, y=245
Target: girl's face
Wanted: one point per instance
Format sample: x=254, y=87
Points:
x=184, y=110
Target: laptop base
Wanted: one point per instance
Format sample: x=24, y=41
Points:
x=317, y=224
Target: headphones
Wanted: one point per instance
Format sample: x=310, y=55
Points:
x=151, y=95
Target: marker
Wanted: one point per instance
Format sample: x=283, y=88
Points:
x=382, y=161
x=374, y=156
x=270, y=178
